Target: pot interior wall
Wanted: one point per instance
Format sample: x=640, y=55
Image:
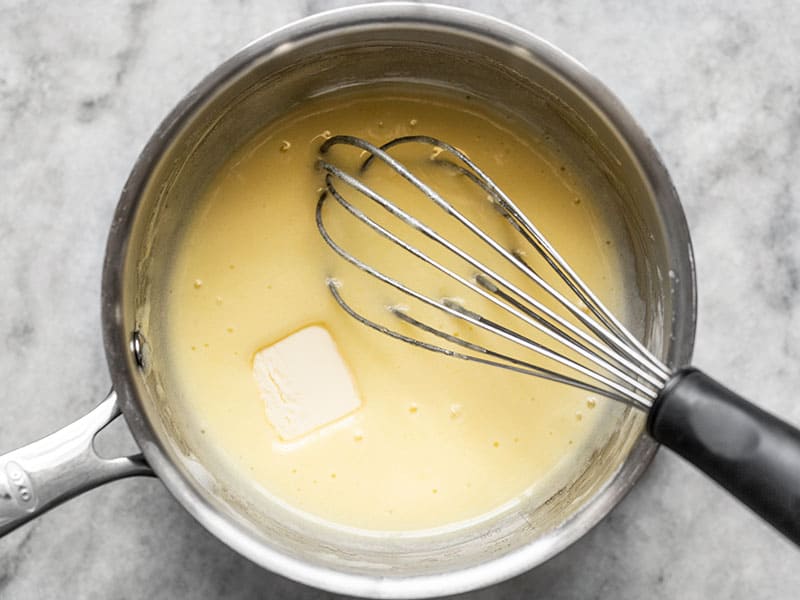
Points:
x=261, y=91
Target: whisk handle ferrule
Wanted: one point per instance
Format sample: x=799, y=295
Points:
x=751, y=453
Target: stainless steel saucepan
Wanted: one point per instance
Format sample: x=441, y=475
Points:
x=452, y=48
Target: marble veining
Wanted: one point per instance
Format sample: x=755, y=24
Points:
x=82, y=86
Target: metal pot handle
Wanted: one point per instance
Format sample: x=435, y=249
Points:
x=41, y=475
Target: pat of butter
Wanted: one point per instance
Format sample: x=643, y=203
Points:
x=304, y=382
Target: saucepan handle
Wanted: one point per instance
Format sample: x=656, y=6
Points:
x=41, y=475
x=748, y=451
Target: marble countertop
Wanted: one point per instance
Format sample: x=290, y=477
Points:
x=83, y=85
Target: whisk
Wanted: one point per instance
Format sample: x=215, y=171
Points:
x=753, y=454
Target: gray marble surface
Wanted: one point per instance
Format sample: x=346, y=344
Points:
x=82, y=86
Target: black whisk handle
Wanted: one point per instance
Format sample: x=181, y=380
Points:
x=751, y=453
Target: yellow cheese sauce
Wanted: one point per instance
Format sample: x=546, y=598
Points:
x=436, y=441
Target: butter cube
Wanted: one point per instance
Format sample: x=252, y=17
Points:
x=304, y=382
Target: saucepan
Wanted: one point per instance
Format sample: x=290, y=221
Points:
x=448, y=47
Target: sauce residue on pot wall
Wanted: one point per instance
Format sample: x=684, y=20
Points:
x=435, y=441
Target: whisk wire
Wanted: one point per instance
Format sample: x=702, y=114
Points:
x=659, y=372
x=635, y=375
x=534, y=237
x=540, y=323
x=537, y=322
x=509, y=363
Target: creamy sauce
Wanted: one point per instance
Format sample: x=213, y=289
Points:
x=436, y=441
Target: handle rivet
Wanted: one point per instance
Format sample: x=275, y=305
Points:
x=138, y=348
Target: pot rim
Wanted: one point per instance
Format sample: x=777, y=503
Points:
x=124, y=371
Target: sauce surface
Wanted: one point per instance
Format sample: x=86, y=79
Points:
x=436, y=441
